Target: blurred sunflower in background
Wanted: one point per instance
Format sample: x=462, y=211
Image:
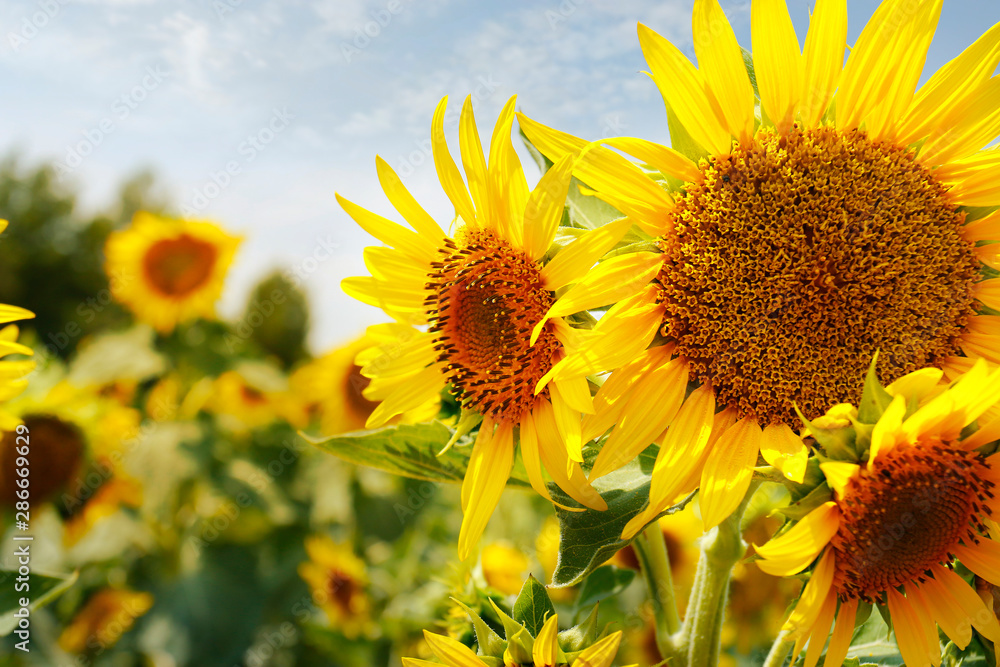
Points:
x=79, y=441
x=338, y=580
x=486, y=294
x=167, y=270
x=105, y=617
x=919, y=493
x=332, y=387
x=795, y=245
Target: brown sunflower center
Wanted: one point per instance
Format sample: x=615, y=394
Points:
x=54, y=454
x=176, y=267
x=343, y=588
x=354, y=386
x=486, y=297
x=907, y=514
x=797, y=257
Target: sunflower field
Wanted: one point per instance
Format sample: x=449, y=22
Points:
x=733, y=400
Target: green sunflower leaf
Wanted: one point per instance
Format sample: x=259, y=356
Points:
x=38, y=589
x=589, y=538
x=409, y=450
x=603, y=583
x=532, y=606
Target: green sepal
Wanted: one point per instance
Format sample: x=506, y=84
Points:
x=798, y=510
x=863, y=613
x=874, y=398
x=532, y=606
x=581, y=635
x=837, y=443
x=519, y=641
x=862, y=437
x=490, y=643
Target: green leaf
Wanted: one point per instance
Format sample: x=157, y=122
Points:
x=874, y=398
x=589, y=538
x=532, y=606
x=603, y=583
x=587, y=211
x=41, y=589
x=409, y=450
x=871, y=643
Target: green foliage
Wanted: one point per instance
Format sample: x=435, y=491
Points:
x=41, y=590
x=533, y=606
x=52, y=257
x=277, y=317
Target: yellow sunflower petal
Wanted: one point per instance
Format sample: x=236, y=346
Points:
x=662, y=158
x=601, y=654
x=795, y=549
x=874, y=73
x=824, y=58
x=838, y=474
x=988, y=291
x=577, y=258
x=777, y=60
x=566, y=473
x=973, y=609
x=545, y=650
x=821, y=630
x=474, y=162
x=575, y=392
x=649, y=411
x=568, y=423
x=447, y=170
x=916, y=385
x=840, y=640
x=390, y=233
x=720, y=60
x=423, y=387
x=884, y=433
x=727, y=473
x=13, y=313
x=982, y=558
x=951, y=86
x=452, y=652
x=609, y=282
x=684, y=88
x=485, y=478
x=404, y=202
x=814, y=595
x=683, y=447
x=784, y=450
x=945, y=610
x=910, y=631
x=508, y=185
x=544, y=208
x=966, y=129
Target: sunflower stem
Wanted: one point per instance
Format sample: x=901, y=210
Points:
x=779, y=651
x=721, y=548
x=651, y=548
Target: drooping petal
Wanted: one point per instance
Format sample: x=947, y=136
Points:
x=840, y=640
x=814, y=595
x=795, y=549
x=485, y=478
x=911, y=632
x=727, y=473
x=662, y=158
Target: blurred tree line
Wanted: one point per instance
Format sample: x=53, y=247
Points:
x=52, y=262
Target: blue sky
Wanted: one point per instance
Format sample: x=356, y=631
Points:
x=253, y=113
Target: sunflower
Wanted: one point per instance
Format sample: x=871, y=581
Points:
x=12, y=373
x=254, y=396
x=339, y=583
x=332, y=386
x=920, y=496
x=486, y=293
x=107, y=615
x=169, y=270
x=796, y=242
x=545, y=651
